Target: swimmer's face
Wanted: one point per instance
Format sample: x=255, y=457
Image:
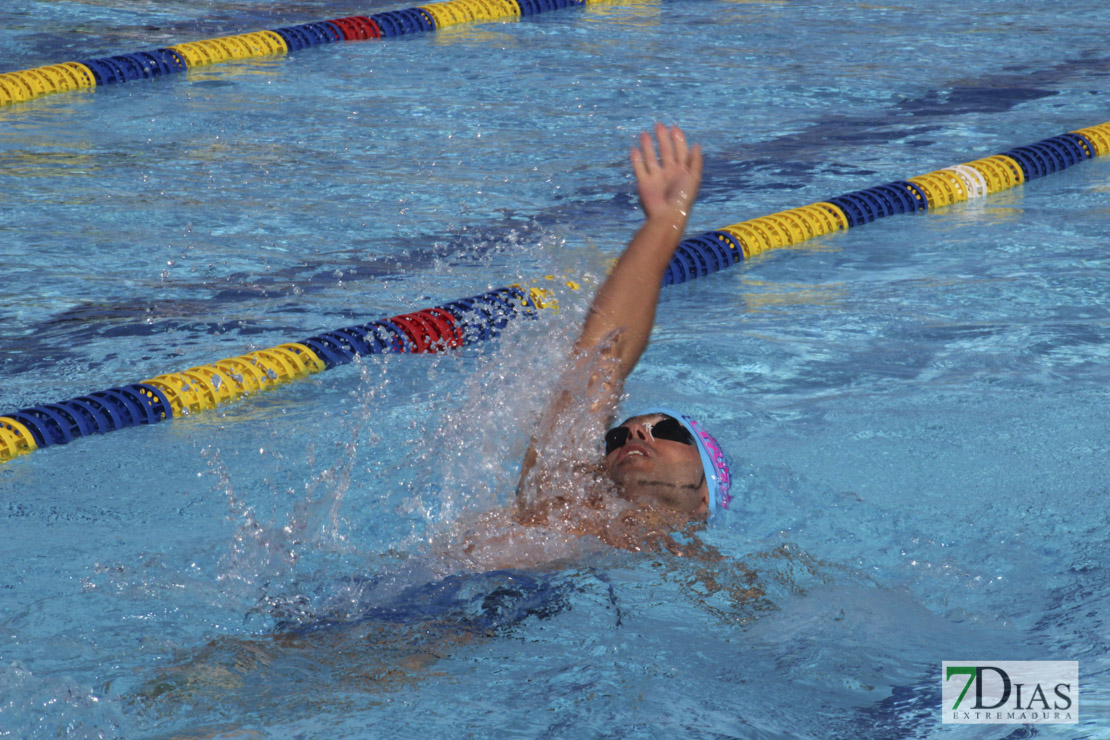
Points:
x=658, y=472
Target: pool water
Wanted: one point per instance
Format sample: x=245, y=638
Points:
x=914, y=409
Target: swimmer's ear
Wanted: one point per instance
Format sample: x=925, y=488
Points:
x=703, y=508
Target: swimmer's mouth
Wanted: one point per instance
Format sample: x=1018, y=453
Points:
x=633, y=449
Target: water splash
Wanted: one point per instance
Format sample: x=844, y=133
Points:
x=474, y=450
x=264, y=552
x=450, y=451
x=53, y=707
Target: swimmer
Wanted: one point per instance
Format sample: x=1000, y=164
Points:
x=585, y=485
x=657, y=458
x=660, y=471
x=655, y=473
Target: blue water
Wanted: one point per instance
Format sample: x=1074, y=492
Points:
x=915, y=408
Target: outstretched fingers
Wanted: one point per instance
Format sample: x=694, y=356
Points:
x=673, y=150
x=666, y=146
x=678, y=143
x=644, y=161
x=667, y=180
x=694, y=161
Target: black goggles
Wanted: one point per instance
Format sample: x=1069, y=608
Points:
x=667, y=428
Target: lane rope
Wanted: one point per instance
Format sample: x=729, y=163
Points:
x=28, y=84
x=477, y=318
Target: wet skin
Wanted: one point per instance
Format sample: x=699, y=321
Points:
x=658, y=472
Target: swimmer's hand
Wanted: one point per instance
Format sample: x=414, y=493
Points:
x=668, y=182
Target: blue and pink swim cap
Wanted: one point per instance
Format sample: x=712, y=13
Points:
x=718, y=478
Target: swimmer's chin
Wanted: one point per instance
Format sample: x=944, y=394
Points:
x=649, y=505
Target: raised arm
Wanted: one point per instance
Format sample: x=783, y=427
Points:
x=619, y=321
x=625, y=304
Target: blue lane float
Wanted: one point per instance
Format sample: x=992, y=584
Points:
x=479, y=318
x=24, y=85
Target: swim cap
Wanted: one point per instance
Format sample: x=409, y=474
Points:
x=713, y=460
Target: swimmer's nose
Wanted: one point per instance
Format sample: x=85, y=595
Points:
x=640, y=432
